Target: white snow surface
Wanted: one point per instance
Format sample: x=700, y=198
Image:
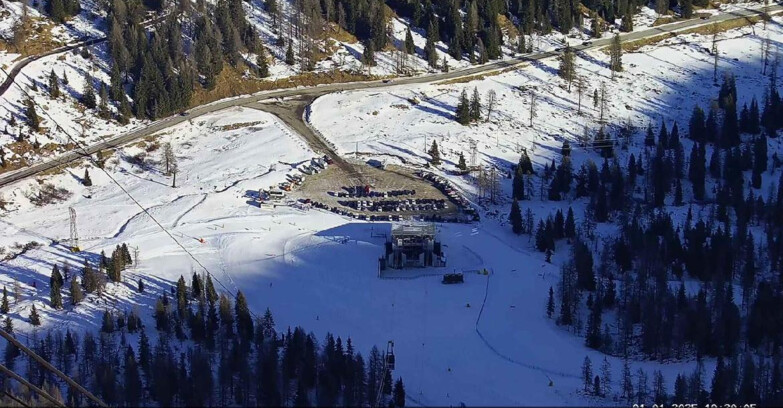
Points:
x=299, y=263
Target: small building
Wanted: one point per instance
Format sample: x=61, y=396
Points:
x=412, y=246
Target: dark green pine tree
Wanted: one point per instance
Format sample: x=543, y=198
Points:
x=399, y=394
x=4, y=305
x=262, y=64
x=475, y=105
x=54, y=85
x=410, y=47
x=107, y=325
x=196, y=286
x=212, y=295
x=463, y=109
x=243, y=318
x=594, y=338
x=88, y=95
x=140, y=287
x=35, y=319
x=461, y=163
x=430, y=52
x=55, y=295
x=435, y=154
x=550, y=303
x=86, y=181
x=569, y=229
x=649, y=138
x=57, y=11
x=32, y=116
x=76, y=292
x=182, y=296
x=368, y=56
x=289, y=54
x=687, y=8
x=515, y=218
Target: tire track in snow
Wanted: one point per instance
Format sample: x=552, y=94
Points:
x=546, y=371
x=176, y=221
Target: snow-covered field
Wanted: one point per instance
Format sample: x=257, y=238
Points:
x=486, y=342
x=299, y=265
x=661, y=81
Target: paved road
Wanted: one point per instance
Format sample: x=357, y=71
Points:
x=315, y=91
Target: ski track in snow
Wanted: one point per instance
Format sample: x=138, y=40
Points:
x=509, y=359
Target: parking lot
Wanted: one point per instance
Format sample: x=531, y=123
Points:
x=394, y=193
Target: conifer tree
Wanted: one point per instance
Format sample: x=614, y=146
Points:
x=410, y=47
x=461, y=164
x=587, y=373
x=430, y=52
x=550, y=303
x=32, y=116
x=475, y=105
x=262, y=64
x=54, y=85
x=289, y=55
x=616, y=55
x=399, y=394
x=434, y=153
x=35, y=319
x=368, y=56
x=463, y=109
x=88, y=95
x=55, y=296
x=243, y=318
x=140, y=287
x=86, y=181
x=567, y=69
x=76, y=292
x=4, y=306
x=515, y=218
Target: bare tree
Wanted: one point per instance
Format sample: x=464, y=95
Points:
x=604, y=104
x=581, y=87
x=532, y=106
x=168, y=157
x=714, y=30
x=17, y=292
x=493, y=185
x=491, y=100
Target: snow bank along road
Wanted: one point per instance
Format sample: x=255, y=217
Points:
x=318, y=90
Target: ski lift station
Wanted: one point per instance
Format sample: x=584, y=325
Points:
x=412, y=246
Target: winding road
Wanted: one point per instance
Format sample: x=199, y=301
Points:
x=315, y=91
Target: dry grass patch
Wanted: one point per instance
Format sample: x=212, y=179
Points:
x=231, y=83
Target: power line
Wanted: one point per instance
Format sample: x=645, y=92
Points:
x=29, y=385
x=51, y=368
